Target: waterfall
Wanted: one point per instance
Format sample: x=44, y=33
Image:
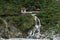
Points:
x=35, y=32
x=4, y=22
x=9, y=30
x=6, y=27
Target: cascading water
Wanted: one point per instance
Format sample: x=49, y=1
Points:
x=35, y=33
x=8, y=30
x=4, y=28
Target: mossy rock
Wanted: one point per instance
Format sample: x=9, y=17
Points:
x=23, y=22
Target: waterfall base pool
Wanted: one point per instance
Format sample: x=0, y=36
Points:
x=57, y=38
x=23, y=39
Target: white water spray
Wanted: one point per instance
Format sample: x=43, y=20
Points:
x=35, y=33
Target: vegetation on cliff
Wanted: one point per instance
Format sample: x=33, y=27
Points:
x=49, y=13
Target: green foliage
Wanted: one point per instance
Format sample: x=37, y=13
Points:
x=22, y=22
x=49, y=13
